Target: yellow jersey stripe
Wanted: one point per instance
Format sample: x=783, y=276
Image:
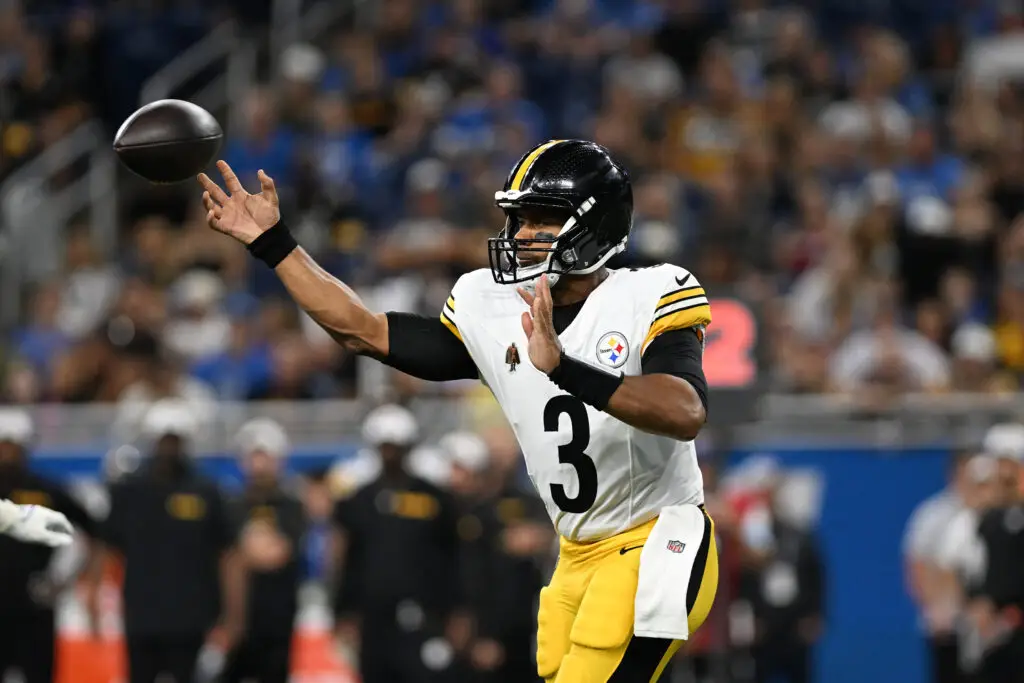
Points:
x=450, y=303
x=528, y=162
x=678, y=320
x=450, y=324
x=680, y=295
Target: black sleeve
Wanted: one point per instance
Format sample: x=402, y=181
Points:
x=423, y=347
x=678, y=353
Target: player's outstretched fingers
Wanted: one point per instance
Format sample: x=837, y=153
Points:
x=527, y=325
x=230, y=179
x=543, y=303
x=208, y=202
x=218, y=195
x=267, y=187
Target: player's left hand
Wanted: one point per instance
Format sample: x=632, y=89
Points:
x=544, y=348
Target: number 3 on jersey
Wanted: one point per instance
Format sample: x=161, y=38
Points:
x=572, y=453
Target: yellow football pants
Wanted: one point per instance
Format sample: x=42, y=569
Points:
x=585, y=619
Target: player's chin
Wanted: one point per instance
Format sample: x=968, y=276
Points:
x=527, y=260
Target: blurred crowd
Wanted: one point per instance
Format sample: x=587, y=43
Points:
x=853, y=172
x=428, y=557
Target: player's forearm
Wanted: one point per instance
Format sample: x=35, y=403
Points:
x=333, y=305
x=659, y=404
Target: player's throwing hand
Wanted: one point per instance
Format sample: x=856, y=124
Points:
x=544, y=349
x=237, y=213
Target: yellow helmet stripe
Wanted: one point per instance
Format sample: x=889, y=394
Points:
x=528, y=162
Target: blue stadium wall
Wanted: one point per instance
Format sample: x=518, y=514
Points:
x=869, y=494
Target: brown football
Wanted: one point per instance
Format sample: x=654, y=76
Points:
x=168, y=141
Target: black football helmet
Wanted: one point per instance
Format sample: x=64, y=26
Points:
x=575, y=176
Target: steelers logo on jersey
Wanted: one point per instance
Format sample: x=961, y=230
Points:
x=613, y=350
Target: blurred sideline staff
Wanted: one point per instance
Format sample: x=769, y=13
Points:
x=29, y=583
x=785, y=584
x=505, y=537
x=961, y=557
x=397, y=550
x=273, y=523
x=997, y=610
x=926, y=566
x=173, y=528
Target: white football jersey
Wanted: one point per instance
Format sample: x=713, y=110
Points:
x=597, y=475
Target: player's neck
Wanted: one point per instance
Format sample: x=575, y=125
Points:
x=572, y=289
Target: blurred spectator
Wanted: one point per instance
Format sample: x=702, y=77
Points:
x=198, y=330
x=994, y=612
x=889, y=358
x=785, y=584
x=923, y=545
x=39, y=343
x=241, y=370
x=265, y=143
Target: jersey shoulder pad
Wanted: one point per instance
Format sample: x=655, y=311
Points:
x=676, y=299
x=467, y=290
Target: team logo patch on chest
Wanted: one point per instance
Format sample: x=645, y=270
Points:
x=613, y=350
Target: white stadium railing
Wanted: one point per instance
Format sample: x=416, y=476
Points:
x=956, y=419
x=35, y=212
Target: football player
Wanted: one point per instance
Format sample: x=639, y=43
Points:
x=597, y=370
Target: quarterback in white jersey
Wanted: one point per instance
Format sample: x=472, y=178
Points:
x=597, y=475
x=599, y=374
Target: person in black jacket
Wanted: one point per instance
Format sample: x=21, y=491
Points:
x=398, y=596
x=786, y=587
x=29, y=588
x=505, y=537
x=996, y=608
x=273, y=523
x=173, y=528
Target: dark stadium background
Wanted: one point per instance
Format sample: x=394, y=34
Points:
x=844, y=178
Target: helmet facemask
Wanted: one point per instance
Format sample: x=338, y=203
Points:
x=573, y=250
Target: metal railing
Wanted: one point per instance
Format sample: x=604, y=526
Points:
x=225, y=90
x=35, y=214
x=326, y=424
x=957, y=419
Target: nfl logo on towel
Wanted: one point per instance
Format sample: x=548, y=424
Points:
x=676, y=546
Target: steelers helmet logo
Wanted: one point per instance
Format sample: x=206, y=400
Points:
x=613, y=350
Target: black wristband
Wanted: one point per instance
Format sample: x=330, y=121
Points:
x=274, y=245
x=587, y=383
